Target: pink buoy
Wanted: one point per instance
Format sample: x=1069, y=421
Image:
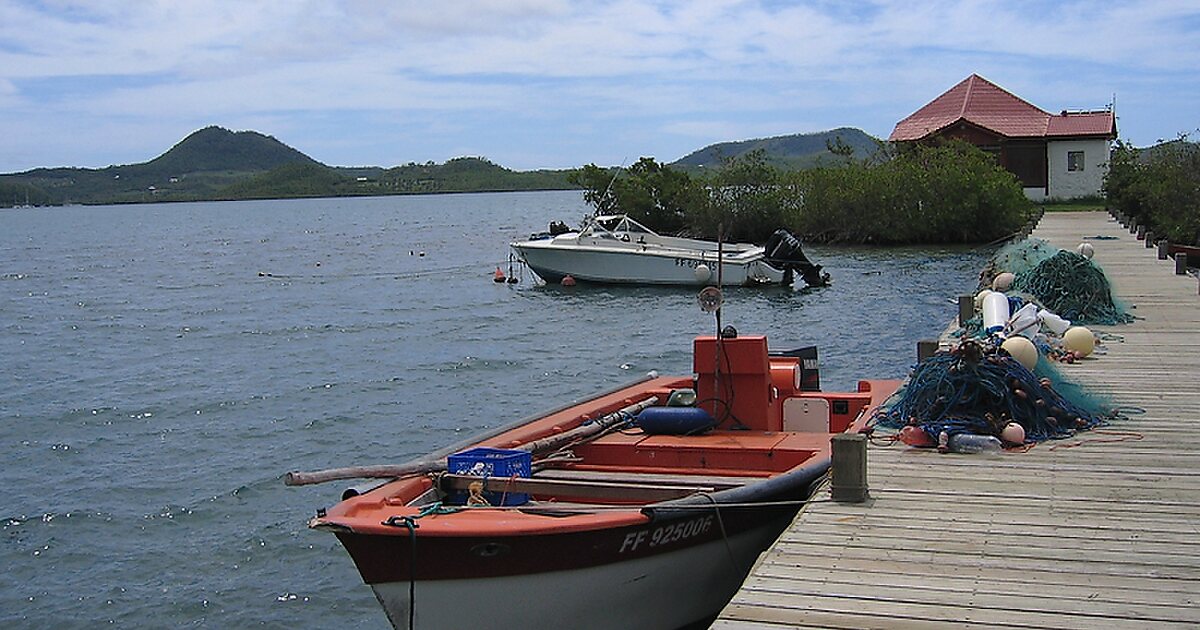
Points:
x=1013, y=433
x=915, y=436
x=568, y=281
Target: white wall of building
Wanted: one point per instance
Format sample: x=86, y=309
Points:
x=1067, y=184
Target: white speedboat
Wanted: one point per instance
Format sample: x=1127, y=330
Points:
x=617, y=249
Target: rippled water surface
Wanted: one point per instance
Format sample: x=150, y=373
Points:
x=164, y=365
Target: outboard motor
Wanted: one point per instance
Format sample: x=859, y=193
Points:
x=810, y=370
x=783, y=252
x=556, y=228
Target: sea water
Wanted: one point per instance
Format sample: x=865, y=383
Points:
x=163, y=365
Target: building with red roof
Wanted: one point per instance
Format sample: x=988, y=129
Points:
x=1056, y=156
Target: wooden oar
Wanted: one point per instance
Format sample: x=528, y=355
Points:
x=436, y=462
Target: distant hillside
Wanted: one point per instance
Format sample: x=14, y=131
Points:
x=216, y=163
x=217, y=149
x=198, y=167
x=1181, y=144
x=297, y=179
x=792, y=152
x=463, y=174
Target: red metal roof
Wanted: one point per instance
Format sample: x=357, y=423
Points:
x=1082, y=124
x=985, y=104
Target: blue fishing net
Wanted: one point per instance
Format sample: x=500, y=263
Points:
x=979, y=388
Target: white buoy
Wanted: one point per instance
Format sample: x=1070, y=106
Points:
x=703, y=273
x=1022, y=350
x=979, y=298
x=1079, y=340
x=1086, y=250
x=995, y=312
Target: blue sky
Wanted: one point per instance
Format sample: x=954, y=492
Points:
x=559, y=83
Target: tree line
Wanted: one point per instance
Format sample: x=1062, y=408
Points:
x=949, y=192
x=1160, y=187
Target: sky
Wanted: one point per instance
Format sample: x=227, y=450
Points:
x=534, y=84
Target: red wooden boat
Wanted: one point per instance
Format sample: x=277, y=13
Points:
x=627, y=518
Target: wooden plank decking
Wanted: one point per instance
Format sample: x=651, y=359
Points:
x=1101, y=531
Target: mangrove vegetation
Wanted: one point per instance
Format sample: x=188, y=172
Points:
x=1160, y=187
x=951, y=192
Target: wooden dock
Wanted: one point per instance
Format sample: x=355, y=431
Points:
x=1100, y=531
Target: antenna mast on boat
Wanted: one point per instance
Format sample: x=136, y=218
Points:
x=607, y=188
x=720, y=257
x=710, y=300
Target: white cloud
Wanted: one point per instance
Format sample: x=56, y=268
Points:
x=664, y=71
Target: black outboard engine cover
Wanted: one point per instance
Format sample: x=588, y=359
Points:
x=783, y=251
x=810, y=371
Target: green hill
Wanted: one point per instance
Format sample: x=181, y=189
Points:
x=198, y=167
x=214, y=149
x=795, y=151
x=466, y=174
x=296, y=179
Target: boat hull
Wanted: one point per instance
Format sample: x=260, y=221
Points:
x=679, y=587
x=623, y=266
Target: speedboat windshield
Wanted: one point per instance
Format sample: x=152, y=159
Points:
x=614, y=226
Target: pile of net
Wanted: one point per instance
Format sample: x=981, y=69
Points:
x=1073, y=287
x=978, y=388
x=1016, y=257
x=1064, y=282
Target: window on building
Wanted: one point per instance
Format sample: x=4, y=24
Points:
x=1074, y=160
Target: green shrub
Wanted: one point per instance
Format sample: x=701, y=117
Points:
x=1159, y=186
x=947, y=193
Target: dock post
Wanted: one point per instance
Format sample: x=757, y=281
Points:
x=1180, y=264
x=1149, y=239
x=926, y=348
x=966, y=308
x=848, y=470
x=1163, y=246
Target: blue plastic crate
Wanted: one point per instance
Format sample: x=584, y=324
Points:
x=495, y=464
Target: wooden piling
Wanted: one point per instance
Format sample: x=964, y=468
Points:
x=848, y=471
x=966, y=308
x=926, y=348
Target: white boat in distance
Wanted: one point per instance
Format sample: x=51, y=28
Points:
x=616, y=249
